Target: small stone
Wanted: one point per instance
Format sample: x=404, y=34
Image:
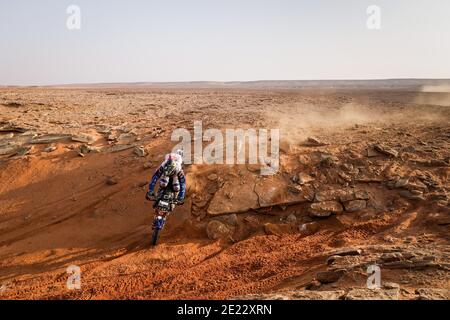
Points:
x=314, y=284
x=327, y=161
x=291, y=218
x=411, y=196
x=391, y=256
x=362, y=195
x=139, y=151
x=111, y=181
x=386, y=150
x=212, y=177
x=332, y=259
x=400, y=183
x=371, y=152
x=391, y=285
x=272, y=229
x=142, y=184
x=50, y=148
x=148, y=165
x=85, y=149
x=307, y=229
x=312, y=141
x=303, y=178
x=348, y=252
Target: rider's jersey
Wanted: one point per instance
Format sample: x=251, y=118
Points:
x=178, y=173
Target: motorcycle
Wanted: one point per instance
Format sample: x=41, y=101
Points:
x=164, y=204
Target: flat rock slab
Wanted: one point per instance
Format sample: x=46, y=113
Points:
x=347, y=252
x=120, y=147
x=49, y=139
x=8, y=149
x=273, y=191
x=85, y=138
x=296, y=295
x=235, y=197
x=232, y=198
x=433, y=294
x=373, y=294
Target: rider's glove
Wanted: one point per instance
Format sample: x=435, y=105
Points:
x=150, y=196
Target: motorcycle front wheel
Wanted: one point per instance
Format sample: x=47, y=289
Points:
x=155, y=236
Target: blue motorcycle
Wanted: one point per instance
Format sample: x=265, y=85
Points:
x=164, y=204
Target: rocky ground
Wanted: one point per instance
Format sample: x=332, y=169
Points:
x=363, y=182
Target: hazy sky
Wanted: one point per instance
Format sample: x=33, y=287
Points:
x=222, y=40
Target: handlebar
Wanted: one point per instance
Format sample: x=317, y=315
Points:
x=177, y=202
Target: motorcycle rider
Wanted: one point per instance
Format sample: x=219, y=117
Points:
x=171, y=168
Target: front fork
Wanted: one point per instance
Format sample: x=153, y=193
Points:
x=158, y=222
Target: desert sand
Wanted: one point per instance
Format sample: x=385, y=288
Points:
x=363, y=180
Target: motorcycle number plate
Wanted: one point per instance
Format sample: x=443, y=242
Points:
x=163, y=203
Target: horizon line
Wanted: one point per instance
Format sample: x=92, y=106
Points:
x=217, y=82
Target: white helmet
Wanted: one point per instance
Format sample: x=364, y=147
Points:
x=180, y=152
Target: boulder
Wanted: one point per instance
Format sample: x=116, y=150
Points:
x=126, y=138
x=325, y=208
x=330, y=276
x=230, y=219
x=225, y=201
x=216, y=230
x=274, y=191
x=355, y=205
